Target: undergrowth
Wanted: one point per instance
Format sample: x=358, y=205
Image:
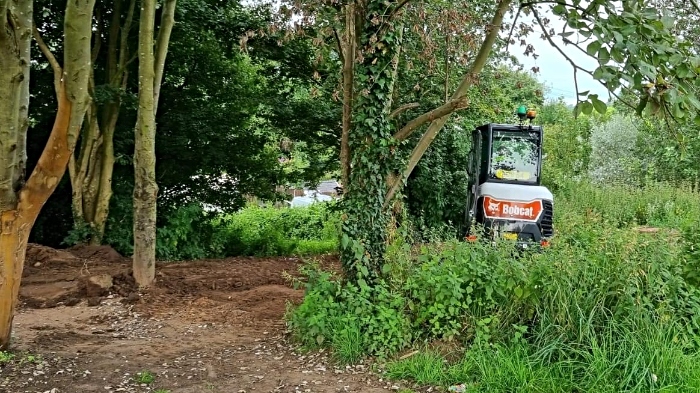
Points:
x=189, y=233
x=606, y=308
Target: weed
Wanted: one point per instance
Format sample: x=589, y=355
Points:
x=6, y=357
x=144, y=377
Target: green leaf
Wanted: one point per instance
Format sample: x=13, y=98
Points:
x=678, y=112
x=694, y=101
x=586, y=108
x=559, y=9
x=675, y=59
x=518, y=292
x=603, y=55
x=599, y=105
x=617, y=55
x=593, y=48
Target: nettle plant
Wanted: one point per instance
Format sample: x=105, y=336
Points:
x=387, y=125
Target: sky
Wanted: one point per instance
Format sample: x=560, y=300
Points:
x=555, y=71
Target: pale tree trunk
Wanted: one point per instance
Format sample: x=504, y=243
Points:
x=20, y=202
x=151, y=65
x=91, y=174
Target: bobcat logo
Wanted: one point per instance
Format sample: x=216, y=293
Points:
x=493, y=207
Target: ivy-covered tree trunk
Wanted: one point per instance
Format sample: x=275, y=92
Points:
x=372, y=154
x=20, y=201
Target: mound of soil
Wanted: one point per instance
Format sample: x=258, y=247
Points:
x=46, y=255
x=102, y=253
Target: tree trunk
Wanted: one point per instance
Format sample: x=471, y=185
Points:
x=20, y=203
x=348, y=48
x=13, y=245
x=145, y=187
x=151, y=65
x=372, y=155
x=92, y=179
x=15, y=44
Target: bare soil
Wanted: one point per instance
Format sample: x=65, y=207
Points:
x=205, y=326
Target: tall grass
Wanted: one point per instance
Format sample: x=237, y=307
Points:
x=607, y=308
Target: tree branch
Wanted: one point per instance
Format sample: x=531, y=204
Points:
x=340, y=46
x=123, y=44
x=397, y=9
x=444, y=109
x=166, y=27
x=564, y=3
x=98, y=35
x=403, y=108
x=435, y=126
x=512, y=27
x=57, y=70
x=573, y=64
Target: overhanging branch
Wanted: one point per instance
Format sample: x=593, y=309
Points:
x=426, y=140
x=403, y=108
x=444, y=109
x=573, y=64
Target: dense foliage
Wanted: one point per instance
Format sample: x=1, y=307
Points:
x=603, y=298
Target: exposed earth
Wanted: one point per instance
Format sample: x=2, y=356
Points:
x=205, y=326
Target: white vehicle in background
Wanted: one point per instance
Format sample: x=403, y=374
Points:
x=309, y=198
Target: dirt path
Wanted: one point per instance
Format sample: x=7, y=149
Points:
x=207, y=326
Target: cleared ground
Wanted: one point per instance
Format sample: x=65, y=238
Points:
x=206, y=326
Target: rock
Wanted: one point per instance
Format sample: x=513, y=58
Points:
x=94, y=301
x=99, y=285
x=132, y=298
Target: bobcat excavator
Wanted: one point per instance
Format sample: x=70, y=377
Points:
x=505, y=198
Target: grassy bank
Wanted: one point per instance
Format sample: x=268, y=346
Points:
x=606, y=309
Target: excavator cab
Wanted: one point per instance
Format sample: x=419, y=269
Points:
x=505, y=197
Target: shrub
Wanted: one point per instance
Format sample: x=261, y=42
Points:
x=602, y=310
x=614, y=154
x=266, y=231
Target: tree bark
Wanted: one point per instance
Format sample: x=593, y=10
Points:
x=91, y=175
x=151, y=67
x=145, y=187
x=349, y=50
x=15, y=44
x=20, y=203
